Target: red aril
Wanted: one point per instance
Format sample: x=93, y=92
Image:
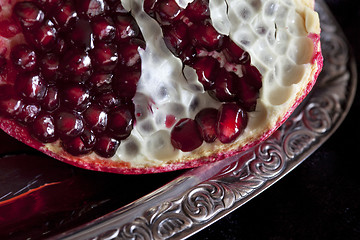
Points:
x=232, y=121
x=89, y=81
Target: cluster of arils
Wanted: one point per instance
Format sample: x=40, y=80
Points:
x=77, y=73
x=190, y=36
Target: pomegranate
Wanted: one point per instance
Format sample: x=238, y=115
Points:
x=144, y=86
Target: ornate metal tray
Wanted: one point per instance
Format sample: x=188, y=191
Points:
x=204, y=195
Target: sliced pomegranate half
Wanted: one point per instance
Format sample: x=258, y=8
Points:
x=144, y=86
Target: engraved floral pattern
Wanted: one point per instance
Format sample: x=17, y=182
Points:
x=261, y=166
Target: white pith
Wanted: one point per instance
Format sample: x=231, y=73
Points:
x=284, y=61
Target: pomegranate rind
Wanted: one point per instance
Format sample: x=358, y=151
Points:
x=196, y=158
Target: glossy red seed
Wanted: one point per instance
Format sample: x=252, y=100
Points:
x=205, y=35
x=207, y=69
x=76, y=66
x=252, y=75
x=68, y=124
x=198, y=10
x=65, y=14
x=206, y=120
x=247, y=95
x=120, y=122
x=129, y=53
x=88, y=137
x=232, y=120
x=167, y=11
x=51, y=100
x=9, y=29
x=100, y=82
x=28, y=113
x=91, y=8
x=117, y=7
x=125, y=84
x=126, y=27
x=75, y=146
x=43, y=128
x=103, y=28
x=75, y=97
x=224, y=88
x=185, y=135
x=44, y=37
x=104, y=57
x=49, y=67
x=23, y=57
x=108, y=100
x=106, y=146
x=95, y=118
x=11, y=107
x=82, y=35
x=48, y=4
x=29, y=14
x=176, y=37
x=235, y=54
x=31, y=87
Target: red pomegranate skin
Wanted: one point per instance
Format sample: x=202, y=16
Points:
x=21, y=133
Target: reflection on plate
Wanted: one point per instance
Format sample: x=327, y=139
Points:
x=203, y=195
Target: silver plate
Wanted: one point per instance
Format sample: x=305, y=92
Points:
x=204, y=195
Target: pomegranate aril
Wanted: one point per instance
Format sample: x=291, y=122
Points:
x=44, y=37
x=252, y=75
x=232, y=120
x=100, y=82
x=205, y=35
x=117, y=7
x=247, y=95
x=167, y=11
x=185, y=135
x=128, y=53
x=29, y=14
x=106, y=146
x=49, y=67
x=125, y=84
x=120, y=122
x=188, y=55
x=3, y=63
x=75, y=146
x=82, y=35
x=51, y=100
x=48, y=4
x=75, y=97
x=88, y=137
x=9, y=29
x=126, y=27
x=198, y=10
x=108, y=100
x=65, y=15
x=103, y=28
x=95, y=118
x=207, y=69
x=28, y=113
x=104, y=57
x=91, y=8
x=31, y=86
x=43, y=128
x=77, y=66
x=206, y=120
x=23, y=57
x=175, y=37
x=11, y=106
x=68, y=124
x=235, y=54
x=224, y=89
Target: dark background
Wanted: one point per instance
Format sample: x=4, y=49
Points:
x=320, y=199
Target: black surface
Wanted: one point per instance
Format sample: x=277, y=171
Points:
x=321, y=198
